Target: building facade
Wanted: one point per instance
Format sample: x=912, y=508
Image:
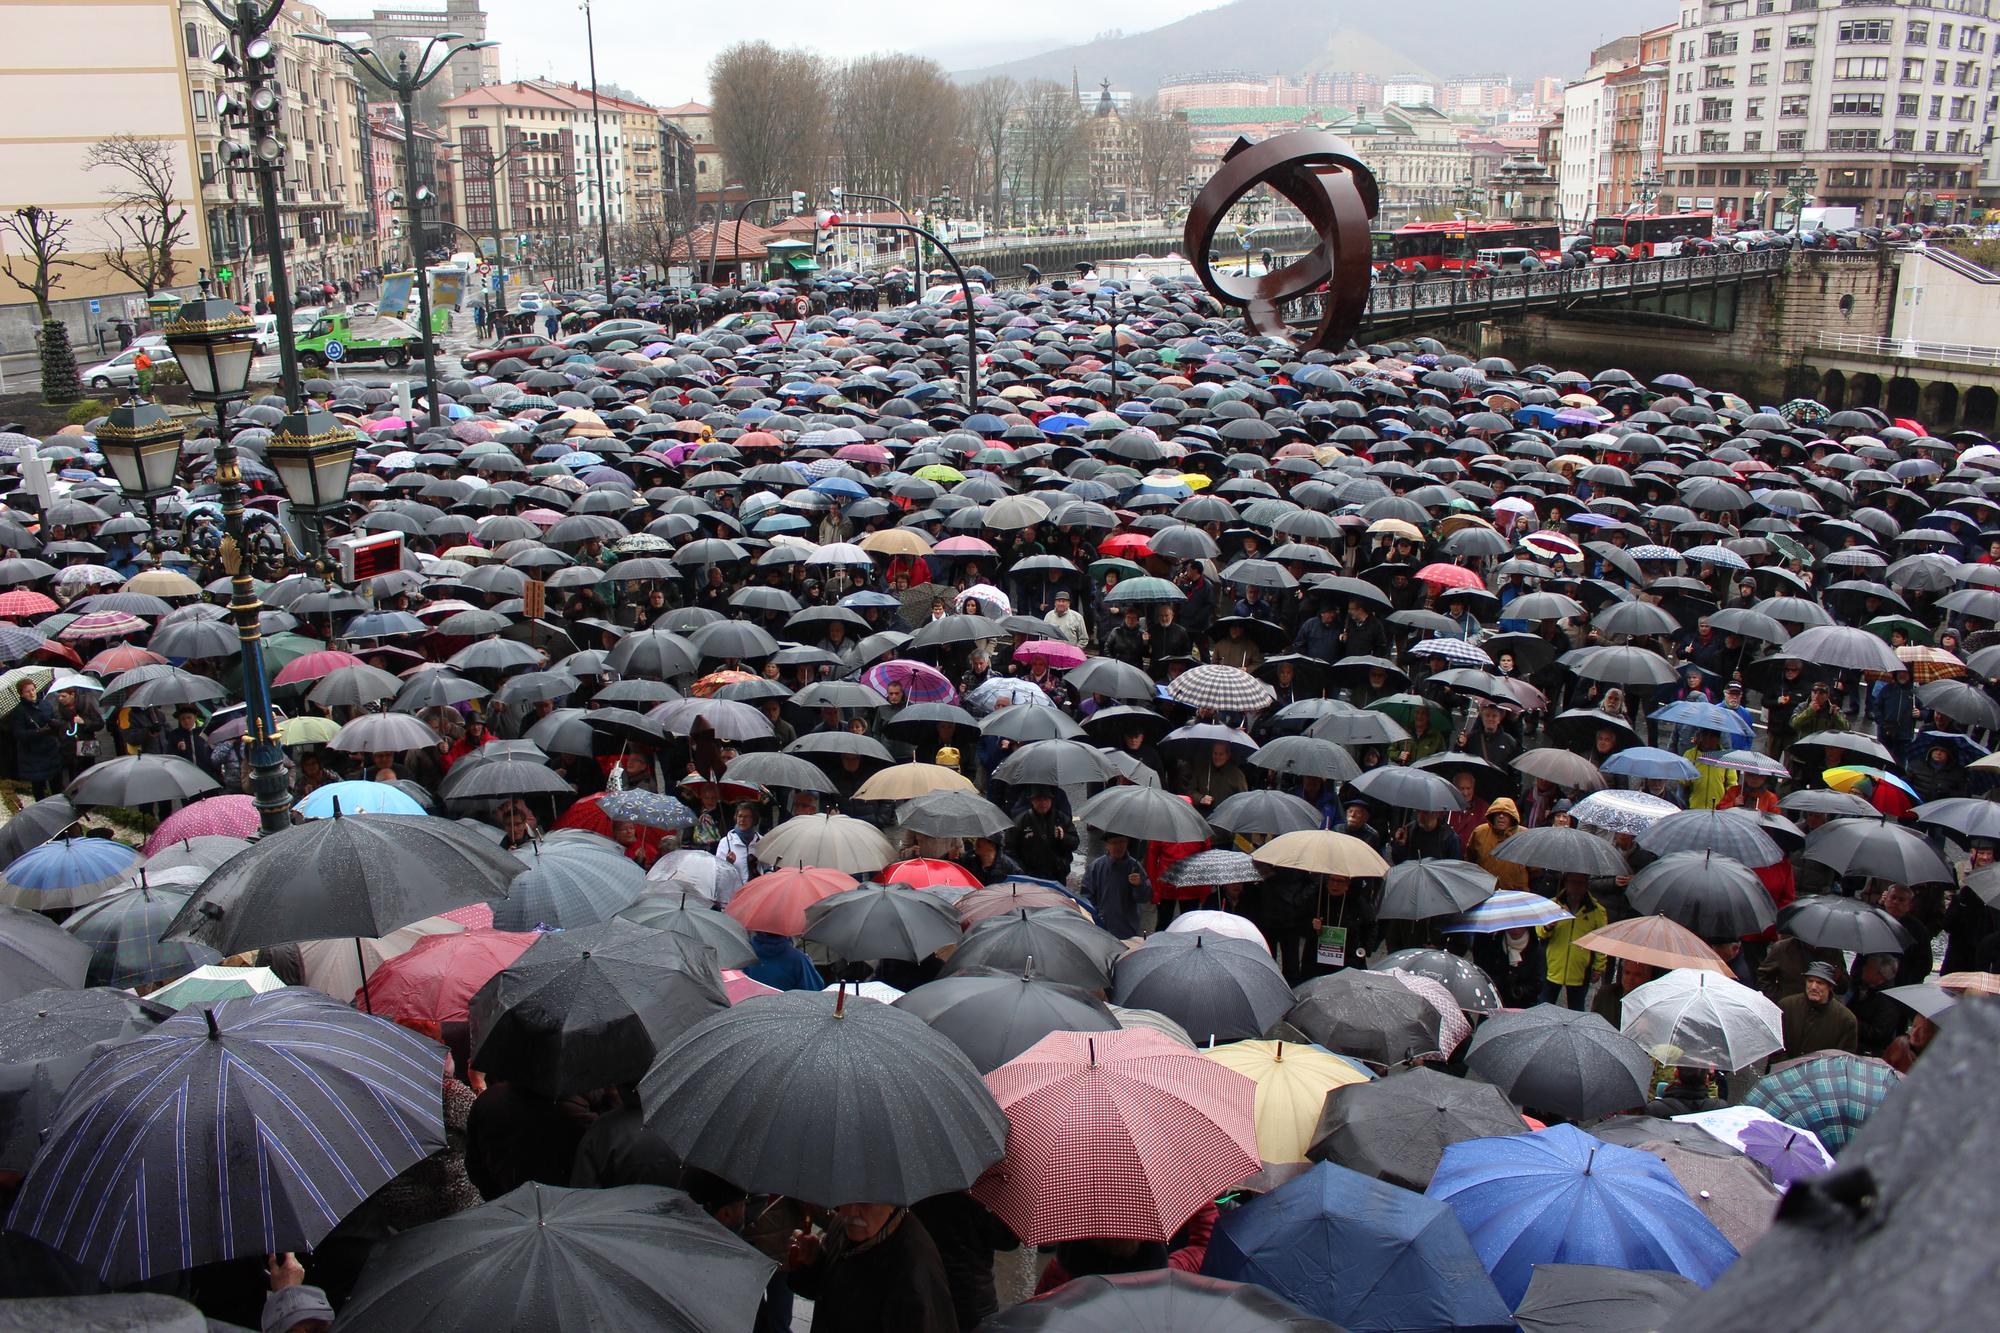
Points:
x=1889, y=105
x=1423, y=166
x=75, y=75
x=466, y=70
x=518, y=151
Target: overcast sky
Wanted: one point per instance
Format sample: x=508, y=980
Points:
x=661, y=50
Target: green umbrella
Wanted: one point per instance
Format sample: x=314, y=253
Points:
x=1403, y=707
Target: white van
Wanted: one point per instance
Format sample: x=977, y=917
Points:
x=267, y=334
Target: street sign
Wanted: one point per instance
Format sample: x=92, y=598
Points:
x=783, y=328
x=485, y=269
x=803, y=305
x=335, y=349
x=96, y=306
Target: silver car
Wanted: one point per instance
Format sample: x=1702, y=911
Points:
x=119, y=372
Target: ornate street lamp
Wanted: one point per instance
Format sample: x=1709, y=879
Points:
x=313, y=455
x=215, y=344
x=142, y=442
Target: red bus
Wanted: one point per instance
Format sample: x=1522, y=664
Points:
x=1452, y=245
x=1649, y=235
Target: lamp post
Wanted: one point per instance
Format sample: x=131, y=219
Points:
x=490, y=164
x=1649, y=190
x=597, y=133
x=1799, y=193
x=215, y=344
x=142, y=442
x=715, y=228
x=408, y=79
x=964, y=290
x=249, y=61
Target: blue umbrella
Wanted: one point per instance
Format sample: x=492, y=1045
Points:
x=381, y=624
x=1560, y=1196
x=1361, y=1253
x=840, y=486
x=245, y=1129
x=1646, y=761
x=650, y=808
x=359, y=798
x=1703, y=717
x=66, y=873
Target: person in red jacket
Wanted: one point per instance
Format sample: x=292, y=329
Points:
x=1184, y=1250
x=1170, y=900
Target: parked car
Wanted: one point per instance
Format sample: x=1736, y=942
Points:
x=522, y=345
x=601, y=336
x=119, y=372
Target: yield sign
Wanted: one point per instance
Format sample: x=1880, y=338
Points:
x=783, y=328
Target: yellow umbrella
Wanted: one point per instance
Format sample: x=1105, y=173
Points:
x=163, y=583
x=1194, y=481
x=905, y=781
x=1322, y=852
x=307, y=731
x=896, y=541
x=1395, y=527
x=1292, y=1083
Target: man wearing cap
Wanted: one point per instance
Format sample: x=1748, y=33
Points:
x=1817, y=714
x=1067, y=621
x=1814, y=1020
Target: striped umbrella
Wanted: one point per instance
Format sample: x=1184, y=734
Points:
x=101, y=625
x=151, y=1132
x=68, y=872
x=1226, y=689
x=1455, y=651
x=922, y=684
x=1116, y=1134
x=1508, y=909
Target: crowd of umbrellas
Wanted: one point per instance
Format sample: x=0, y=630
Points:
x=768, y=753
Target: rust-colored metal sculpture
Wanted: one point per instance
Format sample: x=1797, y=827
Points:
x=1324, y=180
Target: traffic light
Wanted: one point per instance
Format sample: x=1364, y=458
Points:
x=798, y=202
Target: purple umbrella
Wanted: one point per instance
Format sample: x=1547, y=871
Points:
x=1788, y=1154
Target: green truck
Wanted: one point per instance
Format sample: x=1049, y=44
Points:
x=338, y=339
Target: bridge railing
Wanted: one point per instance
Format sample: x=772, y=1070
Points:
x=1907, y=349
x=1474, y=298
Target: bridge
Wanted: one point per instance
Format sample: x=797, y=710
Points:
x=1666, y=289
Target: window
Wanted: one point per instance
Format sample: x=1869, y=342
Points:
x=1753, y=109
x=1867, y=30
x=1937, y=109
x=1939, y=70
x=1850, y=178
x=1872, y=69
x=1760, y=40
x=1909, y=104
x=1967, y=74
x=208, y=168
x=1687, y=177
x=1792, y=107
x=1944, y=36
x=1800, y=34
x=1759, y=75
x=1904, y=141
x=1753, y=141
x=1720, y=44
x=1930, y=141
x=191, y=41
x=1856, y=104
x=1913, y=69
x=1714, y=142
x=1791, y=141
x=1961, y=108
x=1853, y=141
x=200, y=104
x=1718, y=76
x=1919, y=32
x=1798, y=71
x=1705, y=176
x=1717, y=108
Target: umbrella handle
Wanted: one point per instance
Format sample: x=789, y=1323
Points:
x=361, y=960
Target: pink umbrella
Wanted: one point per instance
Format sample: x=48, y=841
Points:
x=862, y=453
x=474, y=916
x=963, y=545
x=384, y=425
x=314, y=665
x=921, y=684
x=740, y=987
x=1057, y=654
x=102, y=625
x=542, y=518
x=211, y=817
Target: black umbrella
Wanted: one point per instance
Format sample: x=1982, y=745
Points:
x=874, y=922
x=1731, y=833
x=581, y=1260
x=153, y=1132
x=1162, y=1299
x=1110, y=677
x=1370, y=1017
x=1711, y=895
x=1054, y=763
x=1150, y=814
x=1467, y=982
x=1844, y=648
x=46, y=1039
x=1306, y=756
x=1902, y=1215
x=125, y=933
x=349, y=877
x=1632, y=1131
x=1217, y=987
x=139, y=779
x=1426, y=887
x=954, y=814
x=758, y=1094
x=697, y=919
x=993, y=1015
x=590, y=1008
x=480, y=778
x=1567, y=850
x=1396, y=1128
x=37, y=954
x=1401, y=788
x=35, y=825
x=1053, y=942
x=1590, y=1298
x=1877, y=848
x=1829, y=922
x=772, y=769
x=1561, y=1061
x=1265, y=810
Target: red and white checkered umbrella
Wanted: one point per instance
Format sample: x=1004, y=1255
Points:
x=1116, y=1134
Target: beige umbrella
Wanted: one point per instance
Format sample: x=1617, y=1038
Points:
x=904, y=782
x=1292, y=1084
x=1322, y=852
x=896, y=541
x=163, y=583
x=826, y=842
x=333, y=967
x=1656, y=942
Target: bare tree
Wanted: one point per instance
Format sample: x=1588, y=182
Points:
x=988, y=113
x=1051, y=130
x=1165, y=154
x=771, y=112
x=149, y=222
x=896, y=120
x=42, y=239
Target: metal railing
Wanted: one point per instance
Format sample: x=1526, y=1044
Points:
x=1907, y=349
x=1446, y=300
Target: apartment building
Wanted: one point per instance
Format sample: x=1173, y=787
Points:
x=1890, y=104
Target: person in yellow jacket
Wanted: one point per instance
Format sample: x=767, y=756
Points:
x=1503, y=821
x=1711, y=784
x=1571, y=968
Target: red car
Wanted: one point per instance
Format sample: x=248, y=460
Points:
x=521, y=345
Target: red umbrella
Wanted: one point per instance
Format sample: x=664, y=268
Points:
x=587, y=815
x=121, y=658
x=739, y=986
x=1129, y=545
x=922, y=873
x=1058, y=654
x=776, y=903
x=1116, y=1134
x=25, y=602
x=211, y=817
x=437, y=977
x=1451, y=576
x=314, y=665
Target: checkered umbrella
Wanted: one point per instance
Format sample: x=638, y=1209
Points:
x=1226, y=689
x=1116, y=1134
x=124, y=930
x=1927, y=664
x=1830, y=1093
x=1455, y=651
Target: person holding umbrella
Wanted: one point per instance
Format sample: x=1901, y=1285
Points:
x=37, y=752
x=1814, y=1020
x=1571, y=967
x=874, y=1270
x=1116, y=886
x=1044, y=839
